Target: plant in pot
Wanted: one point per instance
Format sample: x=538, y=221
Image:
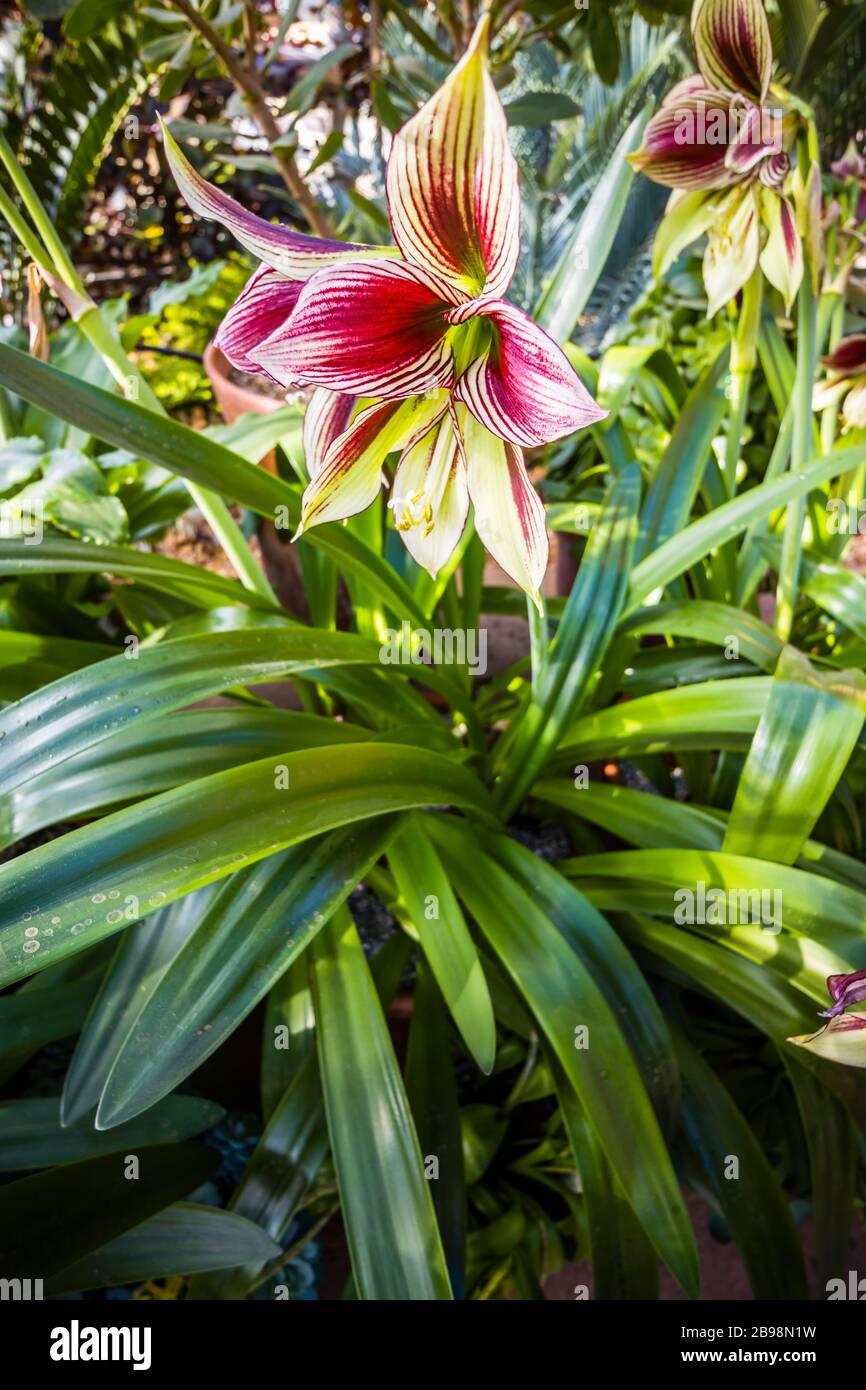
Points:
x=724, y=866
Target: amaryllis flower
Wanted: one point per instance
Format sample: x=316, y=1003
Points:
x=846, y=378
x=851, y=165
x=727, y=154
x=414, y=348
x=843, y=1038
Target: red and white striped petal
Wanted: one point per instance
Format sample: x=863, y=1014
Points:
x=452, y=181
x=849, y=357
x=291, y=253
x=351, y=474
x=782, y=257
x=732, y=250
x=430, y=498
x=327, y=417
x=843, y=1040
x=854, y=406
x=266, y=302
x=524, y=388
x=509, y=515
x=685, y=145
x=364, y=330
x=758, y=137
x=691, y=86
x=732, y=44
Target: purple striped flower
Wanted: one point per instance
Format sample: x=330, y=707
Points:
x=726, y=154
x=413, y=347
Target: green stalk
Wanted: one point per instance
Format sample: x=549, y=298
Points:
x=52, y=255
x=739, y=409
x=744, y=355
x=830, y=416
x=792, y=542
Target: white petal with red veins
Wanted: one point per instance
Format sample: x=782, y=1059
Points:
x=327, y=417
x=430, y=498
x=364, y=330
x=452, y=181
x=524, y=388
x=265, y=304
x=351, y=473
x=509, y=515
x=291, y=253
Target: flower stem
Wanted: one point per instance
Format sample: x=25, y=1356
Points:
x=739, y=409
x=792, y=542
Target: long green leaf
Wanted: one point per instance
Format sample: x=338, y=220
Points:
x=624, y=1264
x=431, y=1086
x=31, y=1135
x=445, y=940
x=94, y=881
x=140, y=960
x=98, y=1202
x=807, y=732
x=577, y=650
x=388, y=1212
x=705, y=621
x=712, y=531
x=565, y=998
x=586, y=252
x=259, y=921
x=676, y=481
x=751, y=1200
x=90, y=705
x=60, y=555
x=713, y=714
x=192, y=455
x=183, y=1239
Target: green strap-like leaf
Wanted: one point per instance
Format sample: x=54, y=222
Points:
x=90, y=705
x=578, y=648
x=260, y=920
x=830, y=913
x=98, y=1201
x=711, y=714
x=183, y=1239
x=566, y=999
x=96, y=880
x=624, y=1264
x=432, y=1089
x=681, y=551
x=676, y=481
x=802, y=744
x=750, y=1199
x=445, y=940
x=831, y=1141
x=709, y=622
x=387, y=1209
x=193, y=455
x=56, y=555
x=140, y=960
x=584, y=256
x=31, y=1135
x=607, y=960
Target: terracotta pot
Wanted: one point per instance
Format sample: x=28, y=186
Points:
x=234, y=400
